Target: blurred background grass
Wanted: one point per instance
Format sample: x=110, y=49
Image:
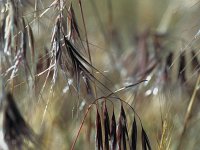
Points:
x=113, y=27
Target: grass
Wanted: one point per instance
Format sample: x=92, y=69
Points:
x=99, y=74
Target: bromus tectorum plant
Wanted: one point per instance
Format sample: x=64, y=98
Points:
x=99, y=75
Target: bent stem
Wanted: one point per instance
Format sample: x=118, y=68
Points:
x=105, y=98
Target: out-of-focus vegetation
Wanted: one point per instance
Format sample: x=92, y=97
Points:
x=71, y=66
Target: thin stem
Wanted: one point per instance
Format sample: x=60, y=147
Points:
x=87, y=42
x=189, y=112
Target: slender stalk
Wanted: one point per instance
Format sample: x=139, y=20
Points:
x=87, y=42
x=189, y=112
x=107, y=34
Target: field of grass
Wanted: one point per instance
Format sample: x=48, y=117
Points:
x=110, y=74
